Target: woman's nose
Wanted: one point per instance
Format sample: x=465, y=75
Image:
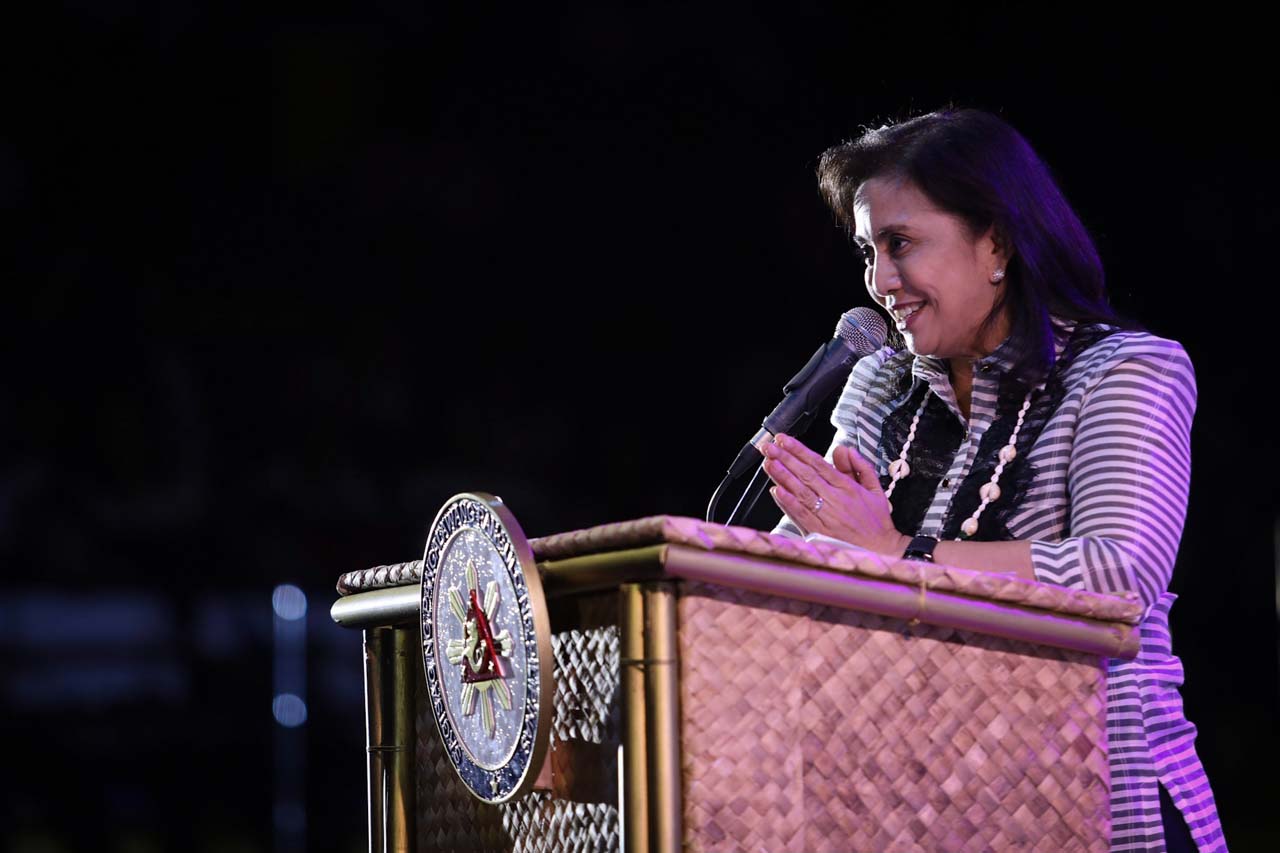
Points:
x=882, y=280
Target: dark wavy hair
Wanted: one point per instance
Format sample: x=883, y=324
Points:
x=973, y=165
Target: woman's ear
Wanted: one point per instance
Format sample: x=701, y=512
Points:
x=1002, y=246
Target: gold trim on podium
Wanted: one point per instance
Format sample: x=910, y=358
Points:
x=651, y=802
x=593, y=572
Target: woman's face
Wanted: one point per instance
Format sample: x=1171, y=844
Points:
x=925, y=269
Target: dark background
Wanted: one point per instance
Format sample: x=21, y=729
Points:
x=286, y=282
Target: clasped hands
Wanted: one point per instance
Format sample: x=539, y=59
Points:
x=841, y=499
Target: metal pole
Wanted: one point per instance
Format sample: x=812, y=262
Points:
x=390, y=655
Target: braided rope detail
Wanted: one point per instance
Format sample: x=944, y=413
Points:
x=380, y=577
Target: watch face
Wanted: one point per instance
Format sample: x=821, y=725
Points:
x=486, y=646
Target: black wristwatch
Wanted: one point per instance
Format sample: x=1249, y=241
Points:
x=921, y=548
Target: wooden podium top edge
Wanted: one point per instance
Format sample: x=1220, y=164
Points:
x=826, y=586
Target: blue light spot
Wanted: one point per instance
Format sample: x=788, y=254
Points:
x=289, y=602
x=289, y=710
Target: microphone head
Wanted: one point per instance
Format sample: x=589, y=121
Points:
x=863, y=329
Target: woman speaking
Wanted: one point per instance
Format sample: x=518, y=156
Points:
x=1023, y=427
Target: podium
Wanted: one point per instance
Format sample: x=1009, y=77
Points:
x=719, y=688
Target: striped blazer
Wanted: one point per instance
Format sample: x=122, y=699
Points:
x=1105, y=513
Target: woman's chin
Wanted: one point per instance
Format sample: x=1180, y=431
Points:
x=917, y=345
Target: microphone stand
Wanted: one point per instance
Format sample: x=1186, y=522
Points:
x=754, y=490
x=755, y=487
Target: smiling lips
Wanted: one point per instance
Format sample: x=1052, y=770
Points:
x=902, y=313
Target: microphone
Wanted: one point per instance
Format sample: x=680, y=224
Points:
x=860, y=332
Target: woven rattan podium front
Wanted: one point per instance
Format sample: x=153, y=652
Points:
x=725, y=689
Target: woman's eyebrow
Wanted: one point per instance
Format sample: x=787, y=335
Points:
x=882, y=231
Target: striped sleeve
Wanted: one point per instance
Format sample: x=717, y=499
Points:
x=844, y=417
x=1128, y=474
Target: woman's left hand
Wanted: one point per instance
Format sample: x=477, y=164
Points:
x=843, y=501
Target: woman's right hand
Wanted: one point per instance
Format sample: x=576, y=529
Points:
x=841, y=500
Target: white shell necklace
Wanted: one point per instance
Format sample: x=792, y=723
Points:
x=989, y=492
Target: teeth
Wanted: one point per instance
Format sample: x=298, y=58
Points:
x=903, y=314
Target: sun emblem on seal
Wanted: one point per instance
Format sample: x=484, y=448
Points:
x=479, y=652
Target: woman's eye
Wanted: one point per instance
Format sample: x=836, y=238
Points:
x=866, y=253
x=897, y=244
